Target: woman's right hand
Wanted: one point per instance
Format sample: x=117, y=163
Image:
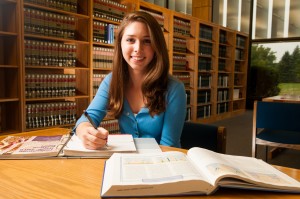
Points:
x=92, y=138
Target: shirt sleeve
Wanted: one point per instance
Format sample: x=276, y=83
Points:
x=175, y=115
x=98, y=107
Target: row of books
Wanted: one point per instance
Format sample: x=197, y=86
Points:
x=222, y=37
x=50, y=114
x=203, y=97
x=203, y=111
x=222, y=108
x=110, y=10
x=204, y=64
x=237, y=66
x=239, y=54
x=104, y=32
x=44, y=53
x=182, y=27
x=103, y=57
x=188, y=96
x=49, y=85
x=97, y=79
x=222, y=65
x=48, y=23
x=206, y=32
x=185, y=78
x=223, y=95
x=222, y=51
x=205, y=48
x=204, y=81
x=179, y=45
x=111, y=125
x=159, y=17
x=188, y=114
x=66, y=5
x=223, y=81
x=180, y=62
x=240, y=41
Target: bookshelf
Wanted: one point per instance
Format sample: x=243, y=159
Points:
x=240, y=71
x=184, y=39
x=207, y=66
x=209, y=59
x=10, y=66
x=54, y=55
x=55, y=62
x=222, y=72
x=105, y=18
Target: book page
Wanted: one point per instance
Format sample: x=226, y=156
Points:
x=115, y=143
x=23, y=146
x=147, y=145
x=157, y=168
x=156, y=174
x=217, y=165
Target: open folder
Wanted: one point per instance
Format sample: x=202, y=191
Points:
x=26, y=147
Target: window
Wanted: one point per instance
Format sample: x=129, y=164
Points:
x=282, y=60
x=275, y=37
x=234, y=14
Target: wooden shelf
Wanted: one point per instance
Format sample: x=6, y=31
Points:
x=9, y=100
x=41, y=7
x=199, y=34
x=3, y=33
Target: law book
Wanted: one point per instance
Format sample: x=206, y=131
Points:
x=66, y=146
x=197, y=172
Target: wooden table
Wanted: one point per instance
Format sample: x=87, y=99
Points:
x=82, y=178
x=281, y=98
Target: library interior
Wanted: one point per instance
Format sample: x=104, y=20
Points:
x=239, y=62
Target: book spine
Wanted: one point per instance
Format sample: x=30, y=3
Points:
x=47, y=23
x=39, y=115
x=44, y=53
x=50, y=85
x=111, y=125
x=97, y=79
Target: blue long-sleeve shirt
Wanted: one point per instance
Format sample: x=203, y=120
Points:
x=166, y=127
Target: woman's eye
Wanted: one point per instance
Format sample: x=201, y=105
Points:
x=130, y=40
x=147, y=41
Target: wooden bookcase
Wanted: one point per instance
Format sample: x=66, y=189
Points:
x=56, y=63
x=222, y=60
x=212, y=63
x=10, y=67
x=207, y=45
x=52, y=60
x=240, y=72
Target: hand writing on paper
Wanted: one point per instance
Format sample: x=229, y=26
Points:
x=92, y=138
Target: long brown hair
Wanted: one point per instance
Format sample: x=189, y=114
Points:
x=155, y=84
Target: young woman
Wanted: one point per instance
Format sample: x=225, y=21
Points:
x=139, y=92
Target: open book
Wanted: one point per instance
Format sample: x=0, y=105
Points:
x=199, y=172
x=26, y=147
x=115, y=143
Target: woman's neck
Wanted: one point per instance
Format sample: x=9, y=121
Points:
x=134, y=93
x=135, y=80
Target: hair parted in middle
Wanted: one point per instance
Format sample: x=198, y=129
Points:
x=155, y=83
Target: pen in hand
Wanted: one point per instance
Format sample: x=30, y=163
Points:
x=91, y=121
